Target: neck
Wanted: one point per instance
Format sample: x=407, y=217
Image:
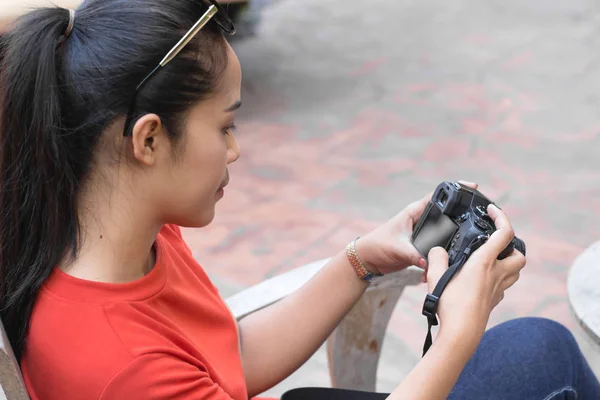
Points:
x=118, y=234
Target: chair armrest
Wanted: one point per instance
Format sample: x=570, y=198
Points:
x=272, y=290
x=12, y=386
x=354, y=347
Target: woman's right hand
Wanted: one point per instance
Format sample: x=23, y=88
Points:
x=466, y=303
x=463, y=309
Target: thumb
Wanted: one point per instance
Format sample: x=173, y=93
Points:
x=412, y=254
x=438, y=264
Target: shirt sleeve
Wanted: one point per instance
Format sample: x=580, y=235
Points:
x=162, y=377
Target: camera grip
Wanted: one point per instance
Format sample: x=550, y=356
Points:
x=517, y=244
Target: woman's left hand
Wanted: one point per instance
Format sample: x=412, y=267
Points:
x=388, y=248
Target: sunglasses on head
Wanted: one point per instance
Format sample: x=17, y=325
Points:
x=215, y=13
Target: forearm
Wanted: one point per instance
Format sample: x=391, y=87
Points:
x=279, y=339
x=436, y=374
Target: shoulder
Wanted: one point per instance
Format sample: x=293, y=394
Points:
x=70, y=348
x=162, y=376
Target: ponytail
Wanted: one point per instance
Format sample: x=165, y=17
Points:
x=38, y=218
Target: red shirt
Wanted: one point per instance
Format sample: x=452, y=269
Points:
x=168, y=335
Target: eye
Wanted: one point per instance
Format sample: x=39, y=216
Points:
x=230, y=129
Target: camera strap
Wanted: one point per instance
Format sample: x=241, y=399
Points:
x=431, y=301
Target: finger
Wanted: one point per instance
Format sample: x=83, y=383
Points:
x=503, y=235
x=424, y=275
x=512, y=264
x=498, y=299
x=472, y=185
x=410, y=252
x=509, y=281
x=517, y=258
x=423, y=264
x=415, y=210
x=438, y=264
x=510, y=269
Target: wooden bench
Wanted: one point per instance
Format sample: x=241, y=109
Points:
x=353, y=348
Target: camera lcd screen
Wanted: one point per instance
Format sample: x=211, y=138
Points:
x=436, y=229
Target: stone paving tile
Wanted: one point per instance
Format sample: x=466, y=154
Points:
x=353, y=109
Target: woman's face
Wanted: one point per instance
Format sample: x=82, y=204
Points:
x=188, y=185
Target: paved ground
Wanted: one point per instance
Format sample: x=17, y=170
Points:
x=352, y=109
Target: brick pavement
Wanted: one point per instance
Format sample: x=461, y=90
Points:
x=352, y=109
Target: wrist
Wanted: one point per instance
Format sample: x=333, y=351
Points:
x=354, y=252
x=460, y=345
x=346, y=272
x=364, y=252
x=465, y=336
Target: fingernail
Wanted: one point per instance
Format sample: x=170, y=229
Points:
x=422, y=263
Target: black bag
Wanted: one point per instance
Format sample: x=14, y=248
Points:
x=331, y=394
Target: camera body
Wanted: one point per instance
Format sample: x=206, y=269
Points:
x=456, y=219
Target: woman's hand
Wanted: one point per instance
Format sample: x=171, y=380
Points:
x=463, y=309
x=388, y=248
x=466, y=303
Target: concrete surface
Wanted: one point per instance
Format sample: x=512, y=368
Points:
x=352, y=109
x=584, y=292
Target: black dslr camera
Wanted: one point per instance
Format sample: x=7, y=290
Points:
x=456, y=219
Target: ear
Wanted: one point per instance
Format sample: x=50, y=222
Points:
x=148, y=139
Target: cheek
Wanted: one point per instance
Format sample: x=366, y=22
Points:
x=190, y=194
x=205, y=164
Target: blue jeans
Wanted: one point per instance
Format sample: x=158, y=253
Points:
x=523, y=359
x=527, y=358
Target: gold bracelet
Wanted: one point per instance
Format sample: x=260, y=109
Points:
x=359, y=267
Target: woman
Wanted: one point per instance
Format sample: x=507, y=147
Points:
x=114, y=132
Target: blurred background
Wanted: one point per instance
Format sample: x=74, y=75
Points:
x=353, y=109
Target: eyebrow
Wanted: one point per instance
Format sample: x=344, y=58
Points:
x=234, y=106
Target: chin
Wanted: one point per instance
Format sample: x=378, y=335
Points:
x=204, y=220
x=207, y=221
x=196, y=221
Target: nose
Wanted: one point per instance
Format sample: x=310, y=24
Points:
x=233, y=149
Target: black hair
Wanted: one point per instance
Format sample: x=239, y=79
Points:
x=58, y=95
